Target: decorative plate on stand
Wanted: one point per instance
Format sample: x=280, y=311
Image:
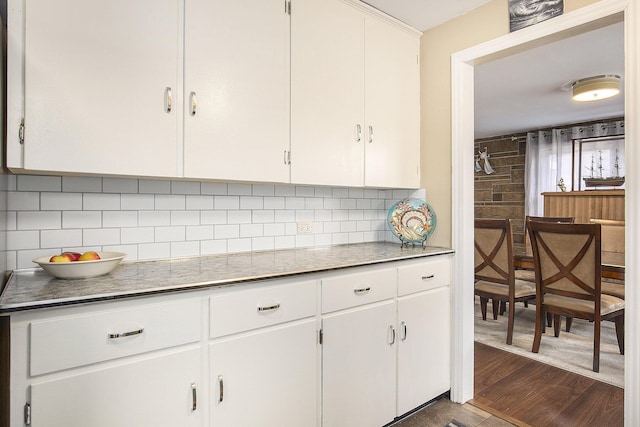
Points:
x=412, y=221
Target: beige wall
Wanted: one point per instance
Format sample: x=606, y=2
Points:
x=482, y=24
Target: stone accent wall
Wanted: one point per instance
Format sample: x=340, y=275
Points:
x=501, y=194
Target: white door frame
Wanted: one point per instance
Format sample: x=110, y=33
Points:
x=462, y=126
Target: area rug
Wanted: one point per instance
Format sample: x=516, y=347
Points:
x=572, y=351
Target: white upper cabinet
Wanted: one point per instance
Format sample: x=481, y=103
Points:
x=100, y=84
x=392, y=106
x=355, y=88
x=236, y=116
x=327, y=93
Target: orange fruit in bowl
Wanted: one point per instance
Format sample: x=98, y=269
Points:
x=89, y=256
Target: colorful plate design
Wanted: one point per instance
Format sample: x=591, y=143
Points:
x=412, y=220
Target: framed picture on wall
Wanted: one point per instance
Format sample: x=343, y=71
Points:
x=523, y=13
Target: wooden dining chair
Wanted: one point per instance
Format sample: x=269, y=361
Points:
x=612, y=241
x=494, y=270
x=567, y=265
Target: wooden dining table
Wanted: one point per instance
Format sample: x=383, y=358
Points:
x=612, y=263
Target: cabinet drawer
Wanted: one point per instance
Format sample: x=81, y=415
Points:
x=351, y=290
x=71, y=341
x=425, y=275
x=244, y=310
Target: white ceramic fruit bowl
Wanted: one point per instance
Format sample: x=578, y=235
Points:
x=81, y=269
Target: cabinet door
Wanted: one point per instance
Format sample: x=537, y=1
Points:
x=327, y=83
x=359, y=366
x=266, y=377
x=236, y=90
x=152, y=392
x=97, y=83
x=423, y=348
x=392, y=99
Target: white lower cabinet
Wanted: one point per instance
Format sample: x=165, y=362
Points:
x=152, y=392
x=423, y=348
x=358, y=366
x=266, y=377
x=355, y=347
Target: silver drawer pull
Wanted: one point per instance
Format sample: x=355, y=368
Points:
x=220, y=388
x=362, y=290
x=403, y=324
x=168, y=100
x=126, y=334
x=431, y=276
x=392, y=332
x=194, y=397
x=269, y=308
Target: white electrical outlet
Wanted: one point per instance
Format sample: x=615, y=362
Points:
x=305, y=227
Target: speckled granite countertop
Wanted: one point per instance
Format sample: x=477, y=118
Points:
x=36, y=289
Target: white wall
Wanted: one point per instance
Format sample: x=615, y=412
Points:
x=154, y=219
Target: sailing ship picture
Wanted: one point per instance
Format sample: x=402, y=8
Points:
x=596, y=170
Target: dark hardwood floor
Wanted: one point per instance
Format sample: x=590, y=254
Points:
x=527, y=392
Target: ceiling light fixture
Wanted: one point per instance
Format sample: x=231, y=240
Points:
x=596, y=88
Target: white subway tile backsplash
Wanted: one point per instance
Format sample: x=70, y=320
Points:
x=171, y=234
x=293, y=203
x=39, y=220
x=285, y=242
x=313, y=203
x=150, y=186
x=239, y=217
x=263, y=190
x=262, y=243
x=60, y=238
x=213, y=247
x=263, y=217
x=274, y=229
x=185, y=249
x=348, y=204
x=119, y=185
x=348, y=226
x=61, y=201
x=239, y=245
x=131, y=235
x=251, y=202
x=323, y=192
x=340, y=193
x=213, y=188
x=274, y=203
x=100, y=202
x=185, y=218
x=226, y=202
x=38, y=183
x=155, y=219
x=199, y=203
x=213, y=217
x=251, y=230
x=81, y=219
x=23, y=200
x=239, y=189
x=285, y=190
x=148, y=251
x=200, y=232
x=227, y=231
x=170, y=202
x=19, y=240
x=81, y=184
x=137, y=202
x=305, y=192
x=119, y=219
x=284, y=216
x=185, y=187
x=100, y=236
x=356, y=193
